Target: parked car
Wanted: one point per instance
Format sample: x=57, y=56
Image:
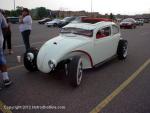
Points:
x=53, y=23
x=44, y=20
x=85, y=19
x=128, y=23
x=94, y=20
x=146, y=21
x=66, y=21
x=79, y=46
x=139, y=22
x=13, y=20
x=78, y=19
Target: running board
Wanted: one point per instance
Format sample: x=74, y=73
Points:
x=103, y=62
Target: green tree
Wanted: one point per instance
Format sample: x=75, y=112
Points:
x=7, y=12
x=106, y=15
x=13, y=13
x=41, y=12
x=111, y=16
x=16, y=12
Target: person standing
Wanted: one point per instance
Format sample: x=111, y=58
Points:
x=3, y=66
x=7, y=36
x=25, y=27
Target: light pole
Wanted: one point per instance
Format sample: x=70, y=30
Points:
x=91, y=5
x=14, y=5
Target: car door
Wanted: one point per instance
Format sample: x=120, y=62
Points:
x=103, y=44
x=115, y=38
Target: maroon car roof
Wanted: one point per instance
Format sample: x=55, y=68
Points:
x=95, y=20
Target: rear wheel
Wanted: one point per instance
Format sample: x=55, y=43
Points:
x=122, y=50
x=30, y=58
x=75, y=71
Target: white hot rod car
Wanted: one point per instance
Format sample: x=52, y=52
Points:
x=79, y=46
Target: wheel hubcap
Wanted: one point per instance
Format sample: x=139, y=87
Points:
x=79, y=74
x=125, y=52
x=66, y=69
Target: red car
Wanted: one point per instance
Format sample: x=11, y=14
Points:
x=85, y=19
x=128, y=23
x=95, y=20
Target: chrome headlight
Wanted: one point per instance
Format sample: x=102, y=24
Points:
x=30, y=56
x=51, y=65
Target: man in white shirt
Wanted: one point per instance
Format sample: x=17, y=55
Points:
x=25, y=27
x=3, y=66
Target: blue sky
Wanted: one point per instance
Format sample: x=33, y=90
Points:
x=101, y=6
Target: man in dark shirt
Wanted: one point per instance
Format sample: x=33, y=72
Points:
x=7, y=36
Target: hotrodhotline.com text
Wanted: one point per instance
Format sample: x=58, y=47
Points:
x=35, y=107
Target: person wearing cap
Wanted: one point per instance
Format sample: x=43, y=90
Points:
x=3, y=66
x=25, y=27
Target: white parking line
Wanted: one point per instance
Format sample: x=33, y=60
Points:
x=15, y=67
x=144, y=33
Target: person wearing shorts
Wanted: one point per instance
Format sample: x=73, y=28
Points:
x=2, y=58
x=3, y=66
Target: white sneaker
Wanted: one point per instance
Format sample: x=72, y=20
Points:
x=7, y=82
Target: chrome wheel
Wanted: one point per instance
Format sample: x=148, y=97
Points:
x=79, y=72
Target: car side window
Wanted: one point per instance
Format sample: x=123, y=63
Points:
x=104, y=32
x=115, y=29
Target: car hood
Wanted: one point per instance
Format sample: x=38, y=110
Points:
x=51, y=22
x=62, y=20
x=57, y=49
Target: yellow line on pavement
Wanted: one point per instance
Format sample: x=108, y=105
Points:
x=3, y=109
x=109, y=98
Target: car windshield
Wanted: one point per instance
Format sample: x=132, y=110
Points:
x=45, y=19
x=66, y=19
x=128, y=20
x=78, y=31
x=56, y=20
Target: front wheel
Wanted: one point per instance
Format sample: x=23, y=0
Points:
x=30, y=58
x=122, y=50
x=75, y=71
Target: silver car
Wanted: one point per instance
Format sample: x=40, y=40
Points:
x=53, y=23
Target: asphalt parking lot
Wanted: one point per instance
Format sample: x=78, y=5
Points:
x=115, y=87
